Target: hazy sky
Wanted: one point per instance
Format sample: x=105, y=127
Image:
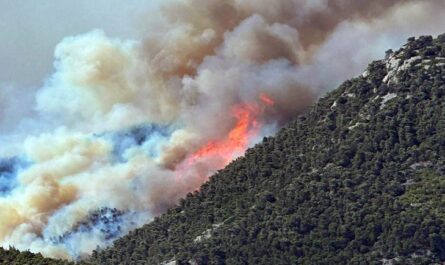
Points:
x=30, y=30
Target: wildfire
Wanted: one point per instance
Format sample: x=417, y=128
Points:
x=266, y=99
x=221, y=152
x=237, y=140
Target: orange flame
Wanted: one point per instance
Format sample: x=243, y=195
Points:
x=266, y=99
x=237, y=140
x=218, y=153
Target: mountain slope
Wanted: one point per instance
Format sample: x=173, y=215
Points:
x=358, y=179
x=15, y=257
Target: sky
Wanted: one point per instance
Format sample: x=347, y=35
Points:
x=30, y=30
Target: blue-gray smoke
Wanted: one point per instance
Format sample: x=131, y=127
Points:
x=151, y=136
x=108, y=223
x=9, y=167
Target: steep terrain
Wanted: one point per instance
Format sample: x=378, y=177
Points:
x=358, y=179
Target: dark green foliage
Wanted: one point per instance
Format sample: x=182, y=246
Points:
x=15, y=257
x=109, y=219
x=358, y=179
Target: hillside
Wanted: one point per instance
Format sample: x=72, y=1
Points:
x=15, y=257
x=358, y=179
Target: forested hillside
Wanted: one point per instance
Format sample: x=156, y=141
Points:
x=358, y=179
x=15, y=257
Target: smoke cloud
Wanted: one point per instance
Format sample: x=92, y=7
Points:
x=124, y=128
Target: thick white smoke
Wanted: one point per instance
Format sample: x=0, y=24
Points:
x=134, y=125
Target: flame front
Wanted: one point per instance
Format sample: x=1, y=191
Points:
x=246, y=127
x=218, y=153
x=266, y=99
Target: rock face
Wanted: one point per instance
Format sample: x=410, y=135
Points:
x=421, y=53
x=358, y=179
